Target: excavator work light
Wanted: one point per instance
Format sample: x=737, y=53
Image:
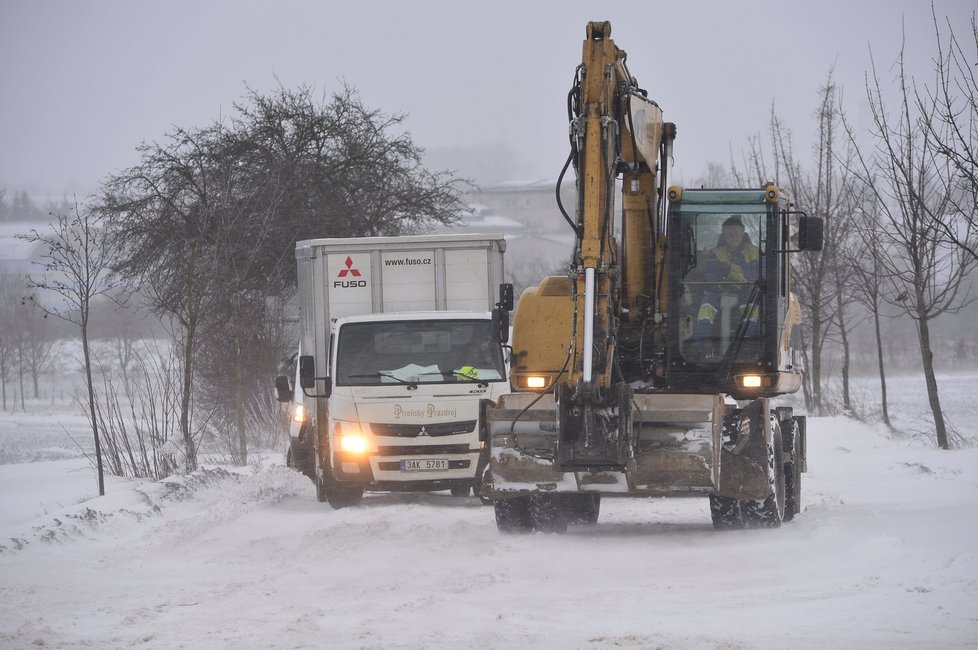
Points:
x=754, y=381
x=536, y=382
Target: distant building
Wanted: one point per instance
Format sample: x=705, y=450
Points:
x=539, y=240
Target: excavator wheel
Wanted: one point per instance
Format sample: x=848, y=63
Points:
x=513, y=515
x=582, y=508
x=769, y=512
x=729, y=513
x=725, y=512
x=792, y=468
x=548, y=513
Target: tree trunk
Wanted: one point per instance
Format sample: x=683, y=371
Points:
x=188, y=439
x=239, y=419
x=816, y=361
x=91, y=409
x=927, y=356
x=879, y=358
x=846, y=356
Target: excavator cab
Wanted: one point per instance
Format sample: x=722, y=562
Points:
x=732, y=319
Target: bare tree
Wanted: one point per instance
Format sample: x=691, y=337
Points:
x=907, y=177
x=209, y=219
x=948, y=111
x=11, y=293
x=76, y=258
x=825, y=190
x=869, y=284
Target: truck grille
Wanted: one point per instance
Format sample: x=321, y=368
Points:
x=414, y=430
x=424, y=450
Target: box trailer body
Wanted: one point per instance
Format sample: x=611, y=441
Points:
x=401, y=340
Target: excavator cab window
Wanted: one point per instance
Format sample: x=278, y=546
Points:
x=720, y=285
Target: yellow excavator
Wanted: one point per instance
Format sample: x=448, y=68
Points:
x=648, y=369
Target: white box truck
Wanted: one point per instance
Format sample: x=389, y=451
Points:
x=399, y=340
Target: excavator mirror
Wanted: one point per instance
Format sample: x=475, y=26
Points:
x=810, y=233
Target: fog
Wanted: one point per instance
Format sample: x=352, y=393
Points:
x=83, y=83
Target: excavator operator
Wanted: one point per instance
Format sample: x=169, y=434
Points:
x=731, y=265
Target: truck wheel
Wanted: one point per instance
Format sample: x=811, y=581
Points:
x=300, y=458
x=769, y=512
x=343, y=497
x=582, y=508
x=792, y=470
x=513, y=515
x=725, y=512
x=329, y=491
x=548, y=514
x=461, y=491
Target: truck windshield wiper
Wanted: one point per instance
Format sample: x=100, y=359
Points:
x=380, y=373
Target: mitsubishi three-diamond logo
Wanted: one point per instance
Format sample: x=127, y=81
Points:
x=344, y=276
x=349, y=269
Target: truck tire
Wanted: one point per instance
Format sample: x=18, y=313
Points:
x=548, y=513
x=301, y=458
x=769, y=512
x=513, y=515
x=582, y=508
x=330, y=491
x=342, y=496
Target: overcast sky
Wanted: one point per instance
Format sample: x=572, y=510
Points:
x=82, y=83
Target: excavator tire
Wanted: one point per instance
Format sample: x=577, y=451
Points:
x=725, y=512
x=582, y=508
x=769, y=512
x=548, y=514
x=513, y=515
x=792, y=469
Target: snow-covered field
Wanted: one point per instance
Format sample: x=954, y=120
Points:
x=884, y=556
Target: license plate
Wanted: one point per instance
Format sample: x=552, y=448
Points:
x=424, y=464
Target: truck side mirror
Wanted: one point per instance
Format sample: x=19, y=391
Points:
x=283, y=392
x=307, y=371
x=500, y=325
x=505, y=296
x=810, y=231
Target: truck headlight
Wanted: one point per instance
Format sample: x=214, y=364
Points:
x=351, y=437
x=299, y=413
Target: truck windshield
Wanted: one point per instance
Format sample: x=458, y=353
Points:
x=721, y=288
x=415, y=352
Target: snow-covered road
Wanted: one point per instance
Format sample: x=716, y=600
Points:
x=885, y=556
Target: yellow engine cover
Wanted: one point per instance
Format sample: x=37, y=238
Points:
x=542, y=334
